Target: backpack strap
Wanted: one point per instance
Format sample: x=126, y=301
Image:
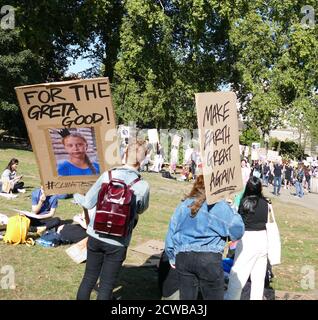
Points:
x=133, y=182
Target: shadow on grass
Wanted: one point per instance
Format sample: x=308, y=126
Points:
x=12, y=145
x=137, y=283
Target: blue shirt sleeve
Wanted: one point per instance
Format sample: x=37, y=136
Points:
x=35, y=197
x=90, y=199
x=226, y=221
x=169, y=242
x=53, y=202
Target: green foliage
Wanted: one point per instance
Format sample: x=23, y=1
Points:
x=289, y=149
x=249, y=136
x=18, y=66
x=158, y=54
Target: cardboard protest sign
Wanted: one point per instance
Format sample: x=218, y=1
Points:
x=272, y=155
x=151, y=247
x=262, y=153
x=153, y=136
x=174, y=155
x=254, y=151
x=246, y=151
x=187, y=155
x=309, y=159
x=124, y=132
x=219, y=142
x=176, y=140
x=72, y=129
x=78, y=251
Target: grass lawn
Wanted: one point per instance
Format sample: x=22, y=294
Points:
x=48, y=273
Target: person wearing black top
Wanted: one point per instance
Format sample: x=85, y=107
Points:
x=251, y=251
x=278, y=168
x=266, y=172
x=288, y=176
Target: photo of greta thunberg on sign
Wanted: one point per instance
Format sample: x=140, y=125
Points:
x=75, y=151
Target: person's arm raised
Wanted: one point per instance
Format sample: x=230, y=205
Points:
x=36, y=208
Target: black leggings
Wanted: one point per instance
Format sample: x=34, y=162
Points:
x=104, y=261
x=17, y=185
x=49, y=223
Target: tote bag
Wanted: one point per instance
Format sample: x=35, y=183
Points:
x=273, y=239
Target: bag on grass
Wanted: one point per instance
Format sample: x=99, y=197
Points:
x=17, y=230
x=49, y=239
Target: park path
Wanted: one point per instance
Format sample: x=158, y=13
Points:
x=310, y=200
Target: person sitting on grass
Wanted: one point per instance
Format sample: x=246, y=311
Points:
x=10, y=177
x=45, y=207
x=184, y=174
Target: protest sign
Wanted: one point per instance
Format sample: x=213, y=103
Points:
x=262, y=153
x=219, y=142
x=309, y=159
x=174, y=155
x=124, y=132
x=72, y=129
x=78, y=251
x=153, y=136
x=176, y=140
x=187, y=155
x=254, y=151
x=272, y=155
x=246, y=151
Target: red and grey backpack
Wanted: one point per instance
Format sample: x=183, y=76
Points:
x=115, y=207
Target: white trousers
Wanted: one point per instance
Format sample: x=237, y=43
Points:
x=250, y=260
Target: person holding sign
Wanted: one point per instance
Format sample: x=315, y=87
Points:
x=106, y=252
x=251, y=251
x=78, y=163
x=10, y=177
x=195, y=243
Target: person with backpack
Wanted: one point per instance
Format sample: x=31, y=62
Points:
x=119, y=196
x=195, y=243
x=278, y=171
x=251, y=251
x=266, y=172
x=299, y=181
x=288, y=175
x=307, y=173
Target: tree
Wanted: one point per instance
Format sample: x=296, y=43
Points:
x=169, y=51
x=18, y=67
x=275, y=61
x=249, y=135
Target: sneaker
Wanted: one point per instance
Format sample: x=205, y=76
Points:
x=21, y=190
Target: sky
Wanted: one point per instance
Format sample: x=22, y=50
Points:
x=81, y=64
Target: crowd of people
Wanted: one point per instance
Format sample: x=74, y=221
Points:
x=155, y=161
x=282, y=174
x=197, y=234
